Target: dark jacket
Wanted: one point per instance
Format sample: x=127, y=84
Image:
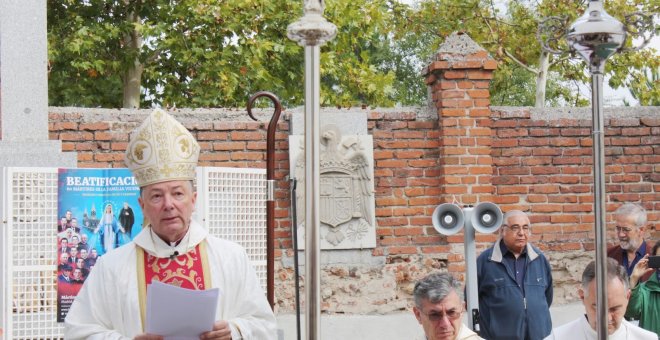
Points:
x=505, y=311
x=617, y=253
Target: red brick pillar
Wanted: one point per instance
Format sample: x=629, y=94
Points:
x=459, y=81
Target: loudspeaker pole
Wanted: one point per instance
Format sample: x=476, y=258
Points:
x=470, y=249
x=449, y=219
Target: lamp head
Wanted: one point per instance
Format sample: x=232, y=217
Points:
x=596, y=36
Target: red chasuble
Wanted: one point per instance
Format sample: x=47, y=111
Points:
x=183, y=271
x=189, y=270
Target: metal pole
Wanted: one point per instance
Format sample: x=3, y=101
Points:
x=294, y=226
x=471, y=289
x=5, y=253
x=599, y=202
x=312, y=176
x=595, y=36
x=312, y=31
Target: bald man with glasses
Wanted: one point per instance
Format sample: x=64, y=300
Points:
x=630, y=225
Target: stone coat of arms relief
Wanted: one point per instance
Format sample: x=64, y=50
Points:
x=346, y=189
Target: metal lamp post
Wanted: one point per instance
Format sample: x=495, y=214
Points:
x=595, y=36
x=312, y=31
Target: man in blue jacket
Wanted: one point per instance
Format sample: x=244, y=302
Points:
x=515, y=285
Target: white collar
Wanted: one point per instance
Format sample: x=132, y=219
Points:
x=155, y=246
x=619, y=334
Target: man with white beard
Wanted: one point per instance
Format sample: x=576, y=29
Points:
x=630, y=225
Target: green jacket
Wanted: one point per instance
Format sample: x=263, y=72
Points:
x=644, y=304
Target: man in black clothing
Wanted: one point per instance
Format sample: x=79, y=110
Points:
x=126, y=218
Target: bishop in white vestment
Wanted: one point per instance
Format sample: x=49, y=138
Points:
x=171, y=248
x=108, y=305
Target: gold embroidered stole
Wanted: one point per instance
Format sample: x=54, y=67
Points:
x=189, y=270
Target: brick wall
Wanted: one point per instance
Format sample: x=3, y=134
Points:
x=545, y=167
x=541, y=163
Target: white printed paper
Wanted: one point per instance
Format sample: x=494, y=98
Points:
x=179, y=313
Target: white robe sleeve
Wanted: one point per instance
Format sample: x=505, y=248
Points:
x=106, y=307
x=89, y=316
x=245, y=305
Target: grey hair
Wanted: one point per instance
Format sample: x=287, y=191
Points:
x=614, y=271
x=635, y=210
x=435, y=287
x=510, y=214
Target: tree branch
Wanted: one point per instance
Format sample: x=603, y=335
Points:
x=528, y=68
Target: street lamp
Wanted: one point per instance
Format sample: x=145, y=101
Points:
x=312, y=31
x=595, y=36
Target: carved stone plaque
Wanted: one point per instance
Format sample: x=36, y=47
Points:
x=346, y=189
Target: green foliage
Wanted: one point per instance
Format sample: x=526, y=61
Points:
x=509, y=35
x=640, y=73
x=209, y=53
x=646, y=88
x=202, y=53
x=85, y=59
x=354, y=68
x=218, y=53
x=513, y=85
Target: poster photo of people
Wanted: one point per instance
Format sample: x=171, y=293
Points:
x=97, y=211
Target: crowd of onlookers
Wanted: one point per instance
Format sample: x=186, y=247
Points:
x=515, y=291
x=514, y=282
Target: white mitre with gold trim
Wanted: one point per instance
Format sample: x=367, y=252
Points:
x=160, y=150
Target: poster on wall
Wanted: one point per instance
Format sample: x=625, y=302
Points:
x=98, y=211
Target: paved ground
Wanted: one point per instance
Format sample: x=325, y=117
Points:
x=390, y=326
